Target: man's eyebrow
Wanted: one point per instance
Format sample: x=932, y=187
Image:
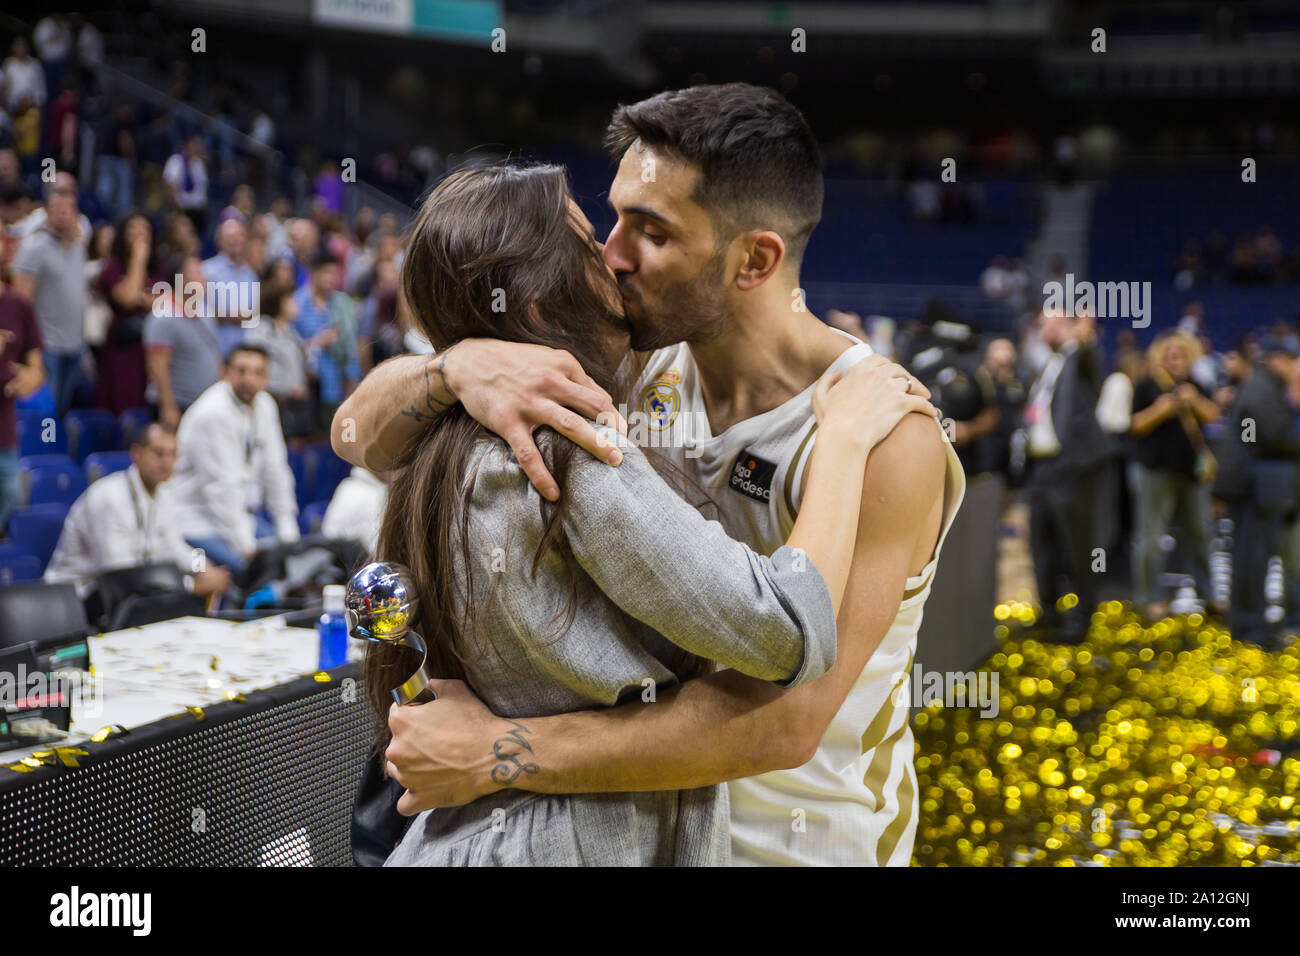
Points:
x=639, y=211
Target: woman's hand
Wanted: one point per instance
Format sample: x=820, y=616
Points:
x=864, y=404
x=140, y=249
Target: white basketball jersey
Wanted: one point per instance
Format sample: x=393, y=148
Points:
x=855, y=802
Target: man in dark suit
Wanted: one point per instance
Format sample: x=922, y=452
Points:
x=1258, y=477
x=1067, y=452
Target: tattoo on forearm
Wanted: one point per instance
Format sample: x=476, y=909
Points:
x=508, y=751
x=434, y=406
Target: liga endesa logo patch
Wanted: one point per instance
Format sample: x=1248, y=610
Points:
x=752, y=476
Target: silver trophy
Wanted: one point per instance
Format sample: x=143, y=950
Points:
x=380, y=605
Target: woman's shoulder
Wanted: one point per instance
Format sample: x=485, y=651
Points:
x=492, y=459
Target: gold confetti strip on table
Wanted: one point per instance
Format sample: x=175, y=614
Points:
x=321, y=677
x=195, y=712
x=1158, y=744
x=47, y=758
x=103, y=733
x=235, y=696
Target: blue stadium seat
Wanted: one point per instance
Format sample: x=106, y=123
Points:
x=299, y=477
x=132, y=420
x=323, y=470
x=36, y=529
x=41, y=400
x=309, y=518
x=19, y=567
x=103, y=463
x=31, y=417
x=11, y=549
x=40, y=434
x=51, y=479
x=91, y=430
x=329, y=475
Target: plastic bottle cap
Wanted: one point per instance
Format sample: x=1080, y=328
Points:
x=333, y=595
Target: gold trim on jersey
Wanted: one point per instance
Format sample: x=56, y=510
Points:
x=875, y=732
x=898, y=826
x=882, y=762
x=913, y=592
x=788, y=489
x=793, y=469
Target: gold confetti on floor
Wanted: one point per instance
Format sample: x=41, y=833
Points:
x=1161, y=744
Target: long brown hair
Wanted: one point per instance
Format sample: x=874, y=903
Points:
x=492, y=252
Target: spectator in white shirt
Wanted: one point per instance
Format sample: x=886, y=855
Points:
x=127, y=519
x=233, y=462
x=24, y=79
x=357, y=508
x=995, y=280
x=53, y=39
x=186, y=179
x=276, y=224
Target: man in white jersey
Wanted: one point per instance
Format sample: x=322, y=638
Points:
x=717, y=192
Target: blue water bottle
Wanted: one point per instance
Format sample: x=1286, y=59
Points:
x=333, y=628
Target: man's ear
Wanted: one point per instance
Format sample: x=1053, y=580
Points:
x=764, y=253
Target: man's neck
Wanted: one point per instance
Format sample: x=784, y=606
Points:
x=242, y=405
x=763, y=359
x=148, y=488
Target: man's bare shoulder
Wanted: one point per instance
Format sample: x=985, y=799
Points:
x=908, y=467
x=903, y=494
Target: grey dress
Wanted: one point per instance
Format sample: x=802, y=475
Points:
x=658, y=583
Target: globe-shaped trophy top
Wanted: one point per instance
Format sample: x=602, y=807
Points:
x=381, y=602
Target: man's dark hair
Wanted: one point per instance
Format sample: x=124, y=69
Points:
x=255, y=347
x=273, y=295
x=15, y=192
x=322, y=259
x=760, y=165
x=145, y=435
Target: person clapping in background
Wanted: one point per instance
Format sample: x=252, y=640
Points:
x=1173, y=466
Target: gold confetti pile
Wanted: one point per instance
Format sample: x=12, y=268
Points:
x=1159, y=744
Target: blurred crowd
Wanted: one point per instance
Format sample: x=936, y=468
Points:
x=1168, y=474
x=1259, y=259
x=159, y=270
x=160, y=277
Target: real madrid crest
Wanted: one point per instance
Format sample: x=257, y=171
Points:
x=660, y=401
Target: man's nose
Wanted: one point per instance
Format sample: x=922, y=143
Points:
x=613, y=252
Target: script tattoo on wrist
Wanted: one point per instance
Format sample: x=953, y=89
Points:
x=433, y=406
x=509, y=750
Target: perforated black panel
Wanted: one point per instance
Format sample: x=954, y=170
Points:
x=269, y=780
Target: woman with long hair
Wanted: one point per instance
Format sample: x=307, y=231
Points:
x=126, y=281
x=618, y=587
x=1173, y=468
